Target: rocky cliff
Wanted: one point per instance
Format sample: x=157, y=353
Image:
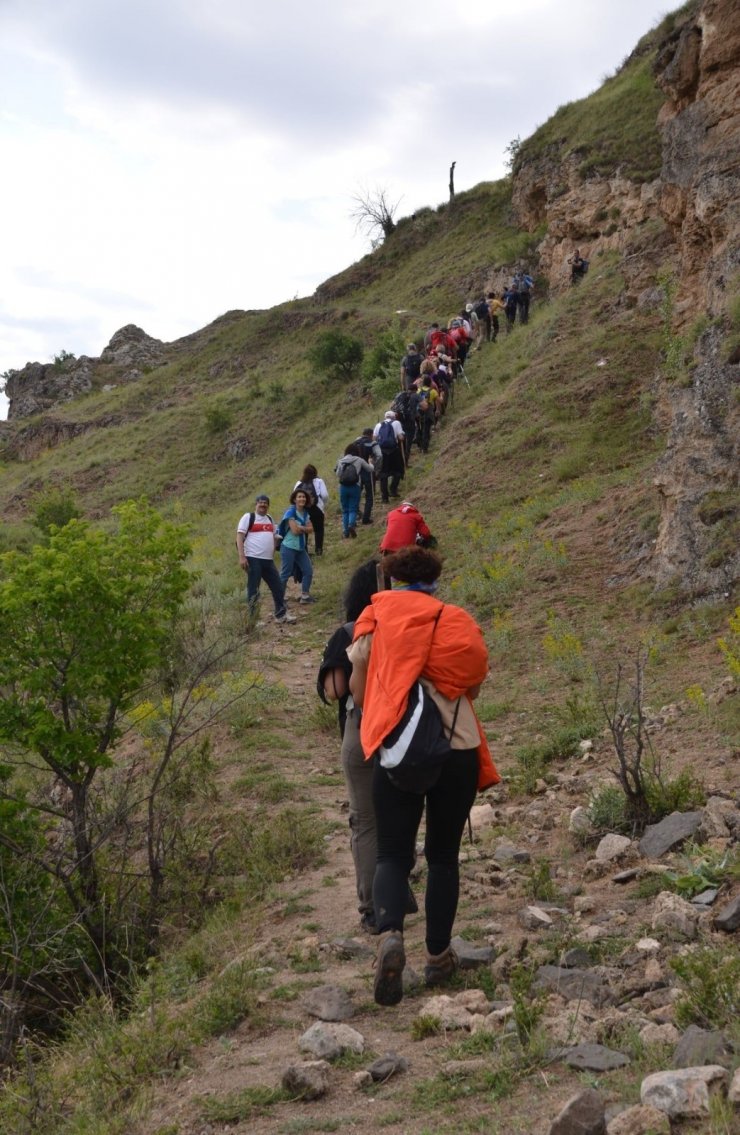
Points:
x=679, y=230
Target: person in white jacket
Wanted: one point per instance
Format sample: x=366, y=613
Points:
x=316, y=490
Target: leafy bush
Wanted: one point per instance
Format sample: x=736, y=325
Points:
x=710, y=978
x=218, y=419
x=54, y=507
x=337, y=355
x=608, y=809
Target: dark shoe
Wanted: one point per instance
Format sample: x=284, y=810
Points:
x=385, y=500
x=440, y=967
x=412, y=906
x=306, y=599
x=353, y=533
x=388, y=988
x=368, y=521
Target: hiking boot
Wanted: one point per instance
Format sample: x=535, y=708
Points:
x=440, y=967
x=368, y=521
x=286, y=618
x=306, y=599
x=353, y=533
x=388, y=987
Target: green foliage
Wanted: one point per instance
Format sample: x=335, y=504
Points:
x=242, y=1105
x=614, y=127
x=61, y=359
x=539, y=883
x=730, y=644
x=529, y=1004
x=54, y=507
x=703, y=868
x=231, y=998
x=383, y=360
x=83, y=621
x=218, y=419
x=425, y=1026
x=710, y=980
x=337, y=355
x=607, y=809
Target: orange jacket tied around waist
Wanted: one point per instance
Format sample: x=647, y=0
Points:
x=409, y=642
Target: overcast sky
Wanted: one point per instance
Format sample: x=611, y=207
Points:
x=164, y=161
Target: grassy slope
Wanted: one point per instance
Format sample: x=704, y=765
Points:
x=539, y=485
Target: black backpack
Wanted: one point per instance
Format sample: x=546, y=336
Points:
x=307, y=488
x=481, y=309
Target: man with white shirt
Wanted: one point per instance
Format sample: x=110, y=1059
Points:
x=255, y=542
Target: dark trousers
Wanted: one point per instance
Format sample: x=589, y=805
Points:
x=391, y=472
x=257, y=570
x=317, y=519
x=424, y=430
x=523, y=302
x=369, y=490
x=495, y=325
x=397, y=816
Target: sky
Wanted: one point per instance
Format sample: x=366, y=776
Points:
x=165, y=161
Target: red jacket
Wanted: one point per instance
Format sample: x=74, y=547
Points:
x=410, y=641
x=403, y=524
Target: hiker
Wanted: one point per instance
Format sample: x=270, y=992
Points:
x=461, y=339
x=496, y=308
x=404, y=527
x=483, y=313
x=510, y=301
x=318, y=494
x=426, y=412
x=432, y=330
x=349, y=470
x=578, y=266
x=476, y=326
x=404, y=407
x=410, y=366
x=333, y=686
x=447, y=653
x=391, y=438
x=255, y=542
x=524, y=285
x=369, y=450
x=293, y=552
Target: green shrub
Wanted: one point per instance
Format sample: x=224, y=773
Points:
x=54, y=507
x=218, y=419
x=710, y=980
x=607, y=809
x=337, y=355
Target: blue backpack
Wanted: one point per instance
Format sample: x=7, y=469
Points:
x=386, y=436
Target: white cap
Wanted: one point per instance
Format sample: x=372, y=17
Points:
x=390, y=416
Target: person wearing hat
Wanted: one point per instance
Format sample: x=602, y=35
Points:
x=410, y=366
x=255, y=543
x=390, y=437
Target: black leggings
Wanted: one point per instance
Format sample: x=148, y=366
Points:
x=317, y=519
x=398, y=815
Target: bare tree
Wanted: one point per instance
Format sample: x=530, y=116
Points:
x=374, y=213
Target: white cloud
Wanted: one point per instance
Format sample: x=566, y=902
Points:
x=167, y=161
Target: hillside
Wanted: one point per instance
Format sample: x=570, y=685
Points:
x=583, y=488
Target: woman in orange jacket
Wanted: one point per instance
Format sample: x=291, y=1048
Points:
x=404, y=635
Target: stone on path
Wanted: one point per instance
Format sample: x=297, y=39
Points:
x=674, y=915
x=700, y=1047
x=582, y=1115
x=580, y=822
x=309, y=1080
x=733, y=1094
x=611, y=847
x=328, y=1041
x=329, y=1003
x=534, y=918
x=682, y=1092
x=639, y=1120
x=577, y=957
x=626, y=876
x=450, y=1014
x=659, y=1034
x=574, y=984
x=351, y=948
x=482, y=816
x=728, y=919
x=470, y=956
x=386, y=1066
x=669, y=833
x=454, y=1068
x=594, y=1058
